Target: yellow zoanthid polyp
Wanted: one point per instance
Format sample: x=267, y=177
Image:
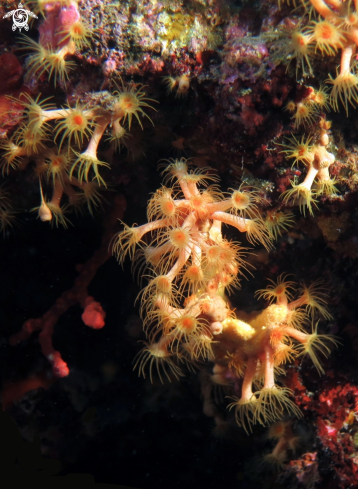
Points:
x=305, y=114
x=344, y=88
x=300, y=48
x=77, y=33
x=302, y=196
x=77, y=125
x=299, y=150
x=278, y=222
x=130, y=101
x=328, y=37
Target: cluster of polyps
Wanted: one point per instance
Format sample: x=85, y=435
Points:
x=335, y=30
x=312, y=153
x=262, y=343
x=66, y=154
x=186, y=315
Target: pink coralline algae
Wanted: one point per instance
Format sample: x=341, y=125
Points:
x=59, y=18
x=334, y=410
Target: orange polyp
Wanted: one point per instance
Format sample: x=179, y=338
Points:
x=326, y=32
x=197, y=201
x=352, y=18
x=128, y=104
x=320, y=98
x=213, y=253
x=76, y=125
x=183, y=85
x=179, y=237
x=187, y=323
x=193, y=273
x=168, y=207
x=240, y=199
x=304, y=114
x=164, y=284
x=78, y=29
x=212, y=287
x=206, y=307
x=77, y=119
x=226, y=279
x=291, y=106
x=227, y=256
x=327, y=36
x=277, y=430
x=276, y=336
x=299, y=39
x=302, y=110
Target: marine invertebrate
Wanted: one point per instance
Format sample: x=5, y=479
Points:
x=180, y=83
x=186, y=314
x=76, y=124
x=308, y=108
x=278, y=222
x=129, y=103
x=297, y=46
x=345, y=84
x=77, y=33
x=305, y=114
x=335, y=30
x=286, y=444
x=317, y=160
x=328, y=37
x=61, y=34
x=274, y=337
x=65, y=166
